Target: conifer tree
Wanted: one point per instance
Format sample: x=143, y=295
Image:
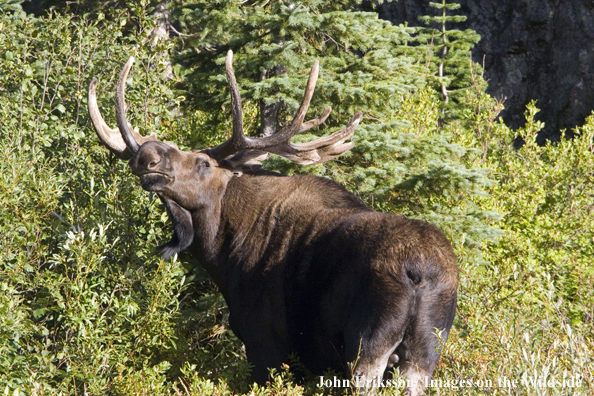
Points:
x=363, y=60
x=448, y=55
x=366, y=64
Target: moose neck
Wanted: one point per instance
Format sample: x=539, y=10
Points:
x=229, y=231
x=206, y=221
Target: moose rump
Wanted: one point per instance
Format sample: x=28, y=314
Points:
x=378, y=295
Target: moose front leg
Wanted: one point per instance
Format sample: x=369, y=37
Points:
x=264, y=355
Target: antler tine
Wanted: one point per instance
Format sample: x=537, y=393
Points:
x=320, y=150
x=121, y=120
x=307, y=95
x=297, y=125
x=111, y=138
x=238, y=140
x=238, y=137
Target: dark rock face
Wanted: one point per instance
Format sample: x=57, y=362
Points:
x=531, y=49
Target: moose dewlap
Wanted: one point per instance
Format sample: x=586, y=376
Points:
x=305, y=266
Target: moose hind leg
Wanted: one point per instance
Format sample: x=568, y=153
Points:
x=369, y=368
x=374, y=350
x=264, y=356
x=420, y=348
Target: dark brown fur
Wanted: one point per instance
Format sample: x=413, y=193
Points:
x=307, y=268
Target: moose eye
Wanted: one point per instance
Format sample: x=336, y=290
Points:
x=202, y=163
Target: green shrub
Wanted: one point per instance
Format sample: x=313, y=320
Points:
x=526, y=313
x=86, y=305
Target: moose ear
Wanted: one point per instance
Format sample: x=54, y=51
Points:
x=183, y=230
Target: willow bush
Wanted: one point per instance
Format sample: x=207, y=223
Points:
x=87, y=308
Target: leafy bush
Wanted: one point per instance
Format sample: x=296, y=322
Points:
x=87, y=307
x=527, y=313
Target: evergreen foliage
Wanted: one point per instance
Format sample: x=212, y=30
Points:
x=76, y=7
x=448, y=55
x=364, y=64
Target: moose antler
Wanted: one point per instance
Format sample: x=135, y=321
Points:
x=125, y=144
x=125, y=141
x=313, y=152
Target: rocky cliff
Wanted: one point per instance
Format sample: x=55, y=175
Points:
x=531, y=49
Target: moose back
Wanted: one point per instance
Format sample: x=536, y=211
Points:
x=305, y=267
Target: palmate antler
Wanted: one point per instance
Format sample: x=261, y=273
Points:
x=125, y=141
x=313, y=152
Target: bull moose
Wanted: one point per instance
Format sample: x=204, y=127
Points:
x=305, y=267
